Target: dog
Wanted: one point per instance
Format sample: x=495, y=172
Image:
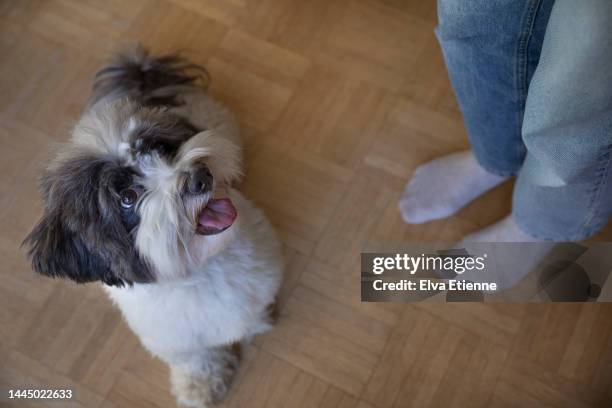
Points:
x=141, y=199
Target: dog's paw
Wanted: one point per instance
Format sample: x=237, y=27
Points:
x=207, y=382
x=223, y=371
x=191, y=390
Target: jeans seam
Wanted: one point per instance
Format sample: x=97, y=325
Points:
x=522, y=59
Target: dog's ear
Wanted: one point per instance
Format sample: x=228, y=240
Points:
x=58, y=252
x=81, y=235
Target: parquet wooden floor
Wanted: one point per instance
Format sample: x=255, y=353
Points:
x=338, y=101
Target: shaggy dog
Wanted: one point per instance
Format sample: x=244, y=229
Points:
x=141, y=199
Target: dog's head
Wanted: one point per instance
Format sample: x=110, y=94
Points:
x=138, y=195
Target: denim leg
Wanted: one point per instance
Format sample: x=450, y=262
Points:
x=491, y=49
x=563, y=192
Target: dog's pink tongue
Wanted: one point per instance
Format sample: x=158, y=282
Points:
x=218, y=215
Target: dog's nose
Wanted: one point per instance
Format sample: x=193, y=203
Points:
x=200, y=180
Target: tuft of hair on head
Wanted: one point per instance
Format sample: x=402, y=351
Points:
x=146, y=79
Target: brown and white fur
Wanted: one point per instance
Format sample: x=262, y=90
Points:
x=141, y=199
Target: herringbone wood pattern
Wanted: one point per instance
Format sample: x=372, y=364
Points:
x=338, y=101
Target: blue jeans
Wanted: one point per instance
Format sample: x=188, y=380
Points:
x=534, y=83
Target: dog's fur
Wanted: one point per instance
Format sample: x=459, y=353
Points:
x=189, y=295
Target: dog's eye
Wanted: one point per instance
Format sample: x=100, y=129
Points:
x=129, y=196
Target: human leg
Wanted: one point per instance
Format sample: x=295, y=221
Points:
x=491, y=49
